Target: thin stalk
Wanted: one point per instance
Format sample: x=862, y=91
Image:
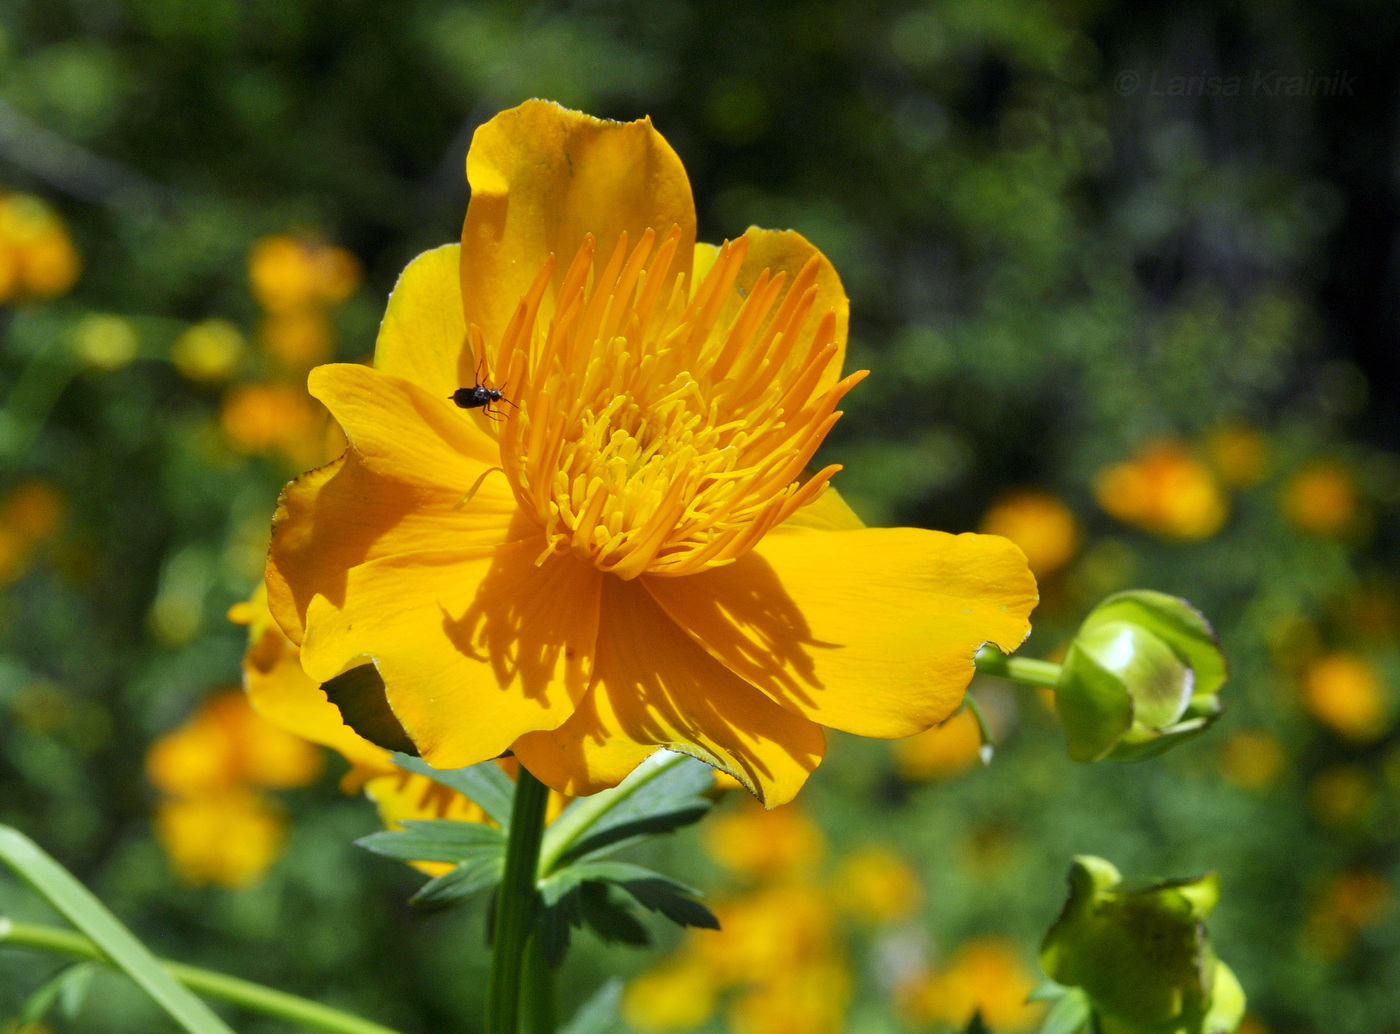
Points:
x=1028, y=672
x=537, y=992
x=515, y=904
x=225, y=988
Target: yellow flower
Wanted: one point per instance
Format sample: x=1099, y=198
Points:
x=228, y=838
x=1253, y=759
x=875, y=885
x=225, y=745
x=106, y=342
x=941, y=752
x=1321, y=499
x=265, y=418
x=282, y=693
x=1040, y=524
x=208, y=352
x=808, y=1000
x=1164, y=490
x=298, y=338
x=623, y=553
x=679, y=995
x=763, y=844
x=37, y=257
x=1349, y=902
x=986, y=975
x=1344, y=692
x=769, y=933
x=1240, y=454
x=300, y=272
x=1341, y=795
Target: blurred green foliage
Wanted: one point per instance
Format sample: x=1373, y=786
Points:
x=1048, y=271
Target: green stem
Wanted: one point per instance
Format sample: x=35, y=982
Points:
x=1028, y=672
x=537, y=992
x=225, y=988
x=515, y=904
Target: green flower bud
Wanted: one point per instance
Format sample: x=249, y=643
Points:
x=1142, y=958
x=1140, y=677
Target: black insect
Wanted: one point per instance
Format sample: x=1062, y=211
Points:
x=478, y=396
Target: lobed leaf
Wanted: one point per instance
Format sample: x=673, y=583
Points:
x=436, y=840
x=471, y=877
x=483, y=784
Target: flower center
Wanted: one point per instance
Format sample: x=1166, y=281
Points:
x=659, y=429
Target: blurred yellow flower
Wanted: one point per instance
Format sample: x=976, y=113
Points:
x=1044, y=528
x=678, y=995
x=1239, y=454
x=623, y=554
x=1253, y=759
x=209, y=352
x=30, y=514
x=1321, y=499
x=1164, y=490
x=1347, y=904
x=1345, y=692
x=37, y=257
x=298, y=339
x=1341, y=795
x=772, y=930
x=762, y=844
x=941, y=752
x=987, y=975
x=214, y=823
x=267, y=418
x=226, y=745
x=105, y=342
x=875, y=885
x=289, y=272
x=229, y=837
x=811, y=999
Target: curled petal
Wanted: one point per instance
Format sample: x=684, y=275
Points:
x=871, y=631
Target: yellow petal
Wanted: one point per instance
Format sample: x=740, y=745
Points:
x=543, y=177
x=423, y=336
x=871, y=632
x=827, y=512
x=399, y=489
x=788, y=252
x=476, y=646
x=656, y=688
x=287, y=697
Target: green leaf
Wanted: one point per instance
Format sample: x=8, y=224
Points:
x=1047, y=991
x=664, y=793
x=977, y=1025
x=483, y=784
x=610, y=919
x=556, y=923
x=471, y=877
x=77, y=904
x=649, y=888
x=1069, y=1014
x=599, y=1014
x=360, y=697
x=436, y=840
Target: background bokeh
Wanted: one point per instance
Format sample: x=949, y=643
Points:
x=1126, y=277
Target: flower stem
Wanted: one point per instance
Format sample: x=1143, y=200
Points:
x=515, y=904
x=537, y=991
x=1028, y=672
x=244, y=993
